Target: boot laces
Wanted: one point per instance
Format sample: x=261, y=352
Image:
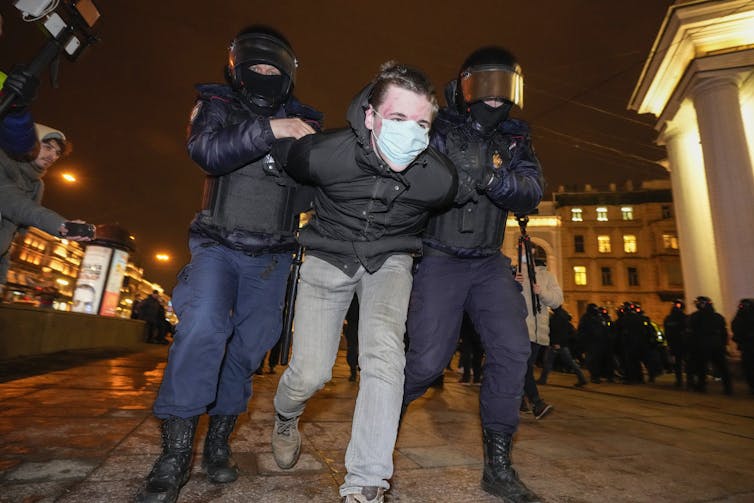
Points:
x=285, y=427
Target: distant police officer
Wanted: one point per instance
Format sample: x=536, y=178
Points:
x=594, y=331
x=743, y=335
x=676, y=330
x=229, y=298
x=498, y=172
x=708, y=338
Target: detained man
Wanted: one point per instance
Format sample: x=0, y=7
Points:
x=377, y=183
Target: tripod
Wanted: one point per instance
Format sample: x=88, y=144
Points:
x=525, y=256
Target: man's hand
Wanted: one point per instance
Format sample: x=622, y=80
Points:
x=290, y=128
x=77, y=230
x=519, y=277
x=23, y=85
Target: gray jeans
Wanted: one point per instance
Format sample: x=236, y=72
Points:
x=324, y=294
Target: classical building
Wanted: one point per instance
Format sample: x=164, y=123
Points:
x=698, y=81
x=44, y=267
x=40, y=262
x=608, y=246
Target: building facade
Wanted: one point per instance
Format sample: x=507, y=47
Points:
x=698, y=81
x=44, y=269
x=608, y=246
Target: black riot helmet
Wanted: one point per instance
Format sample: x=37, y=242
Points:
x=489, y=73
x=679, y=305
x=702, y=302
x=593, y=309
x=746, y=305
x=262, y=45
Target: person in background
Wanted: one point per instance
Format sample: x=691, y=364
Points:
x=550, y=295
x=743, y=336
x=21, y=190
x=676, y=332
x=561, y=333
x=708, y=339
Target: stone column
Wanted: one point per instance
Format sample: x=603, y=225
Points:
x=696, y=241
x=730, y=182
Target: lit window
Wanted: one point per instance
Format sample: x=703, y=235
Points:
x=578, y=243
x=627, y=212
x=670, y=241
x=579, y=274
x=577, y=215
x=603, y=244
x=633, y=276
x=607, y=276
x=602, y=214
x=629, y=243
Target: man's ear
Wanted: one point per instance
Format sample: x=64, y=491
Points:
x=369, y=118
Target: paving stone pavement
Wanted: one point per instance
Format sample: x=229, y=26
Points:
x=76, y=427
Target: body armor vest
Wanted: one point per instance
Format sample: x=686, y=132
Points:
x=474, y=227
x=258, y=197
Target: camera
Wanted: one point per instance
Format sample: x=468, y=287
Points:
x=68, y=22
x=69, y=26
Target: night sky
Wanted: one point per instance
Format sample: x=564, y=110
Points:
x=125, y=103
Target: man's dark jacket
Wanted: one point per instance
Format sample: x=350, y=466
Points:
x=365, y=212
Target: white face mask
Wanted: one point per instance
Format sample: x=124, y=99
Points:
x=401, y=141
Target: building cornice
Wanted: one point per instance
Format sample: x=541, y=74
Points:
x=692, y=31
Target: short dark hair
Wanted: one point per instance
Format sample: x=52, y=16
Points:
x=65, y=146
x=405, y=77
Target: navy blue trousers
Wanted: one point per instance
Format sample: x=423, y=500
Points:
x=445, y=287
x=229, y=307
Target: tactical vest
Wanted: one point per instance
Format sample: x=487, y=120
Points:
x=476, y=224
x=257, y=198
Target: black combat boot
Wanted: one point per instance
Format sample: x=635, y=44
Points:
x=217, y=462
x=171, y=470
x=499, y=477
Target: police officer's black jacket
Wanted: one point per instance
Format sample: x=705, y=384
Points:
x=475, y=225
x=250, y=204
x=364, y=211
x=707, y=330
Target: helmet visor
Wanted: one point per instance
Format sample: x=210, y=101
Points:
x=493, y=82
x=259, y=48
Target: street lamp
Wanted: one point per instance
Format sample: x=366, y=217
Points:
x=162, y=257
x=68, y=177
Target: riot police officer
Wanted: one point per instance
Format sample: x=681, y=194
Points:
x=497, y=173
x=594, y=330
x=676, y=325
x=743, y=335
x=708, y=340
x=229, y=298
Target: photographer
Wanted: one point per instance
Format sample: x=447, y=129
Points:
x=21, y=189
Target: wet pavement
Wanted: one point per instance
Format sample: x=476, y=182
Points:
x=76, y=427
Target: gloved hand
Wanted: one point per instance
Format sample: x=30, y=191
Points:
x=486, y=179
x=23, y=84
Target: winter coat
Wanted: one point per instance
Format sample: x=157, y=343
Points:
x=551, y=295
x=366, y=212
x=21, y=189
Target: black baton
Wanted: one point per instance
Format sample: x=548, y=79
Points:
x=290, y=301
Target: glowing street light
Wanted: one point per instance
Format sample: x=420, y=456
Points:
x=162, y=257
x=68, y=177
